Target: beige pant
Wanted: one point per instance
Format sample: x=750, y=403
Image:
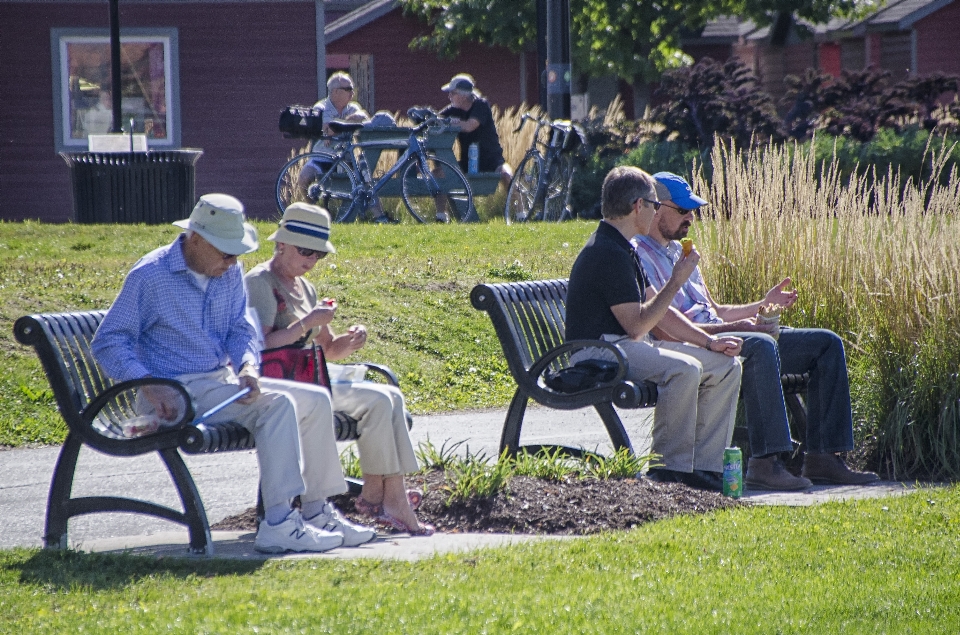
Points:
x=384, y=443
x=697, y=399
x=292, y=424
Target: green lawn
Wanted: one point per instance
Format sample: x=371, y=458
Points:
x=877, y=566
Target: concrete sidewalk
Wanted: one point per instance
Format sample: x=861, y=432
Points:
x=228, y=485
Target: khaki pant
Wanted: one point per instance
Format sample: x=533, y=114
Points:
x=384, y=444
x=292, y=424
x=696, y=403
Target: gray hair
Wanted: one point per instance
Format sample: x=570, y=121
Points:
x=338, y=78
x=622, y=187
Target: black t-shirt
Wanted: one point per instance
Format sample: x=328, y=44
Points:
x=485, y=136
x=606, y=273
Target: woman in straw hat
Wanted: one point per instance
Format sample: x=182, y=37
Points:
x=290, y=314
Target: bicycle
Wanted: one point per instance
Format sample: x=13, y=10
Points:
x=341, y=180
x=540, y=188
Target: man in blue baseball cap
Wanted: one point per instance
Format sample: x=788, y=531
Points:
x=768, y=351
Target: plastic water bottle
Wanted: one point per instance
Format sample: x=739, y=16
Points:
x=473, y=158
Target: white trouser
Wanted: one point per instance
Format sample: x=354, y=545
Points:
x=292, y=424
x=384, y=442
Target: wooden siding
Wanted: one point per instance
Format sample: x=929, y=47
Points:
x=936, y=41
x=853, y=55
x=895, y=55
x=406, y=77
x=240, y=64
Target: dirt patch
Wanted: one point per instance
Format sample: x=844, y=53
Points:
x=535, y=506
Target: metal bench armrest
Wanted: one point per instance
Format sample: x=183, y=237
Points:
x=551, y=356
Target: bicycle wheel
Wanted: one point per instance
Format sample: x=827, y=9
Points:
x=522, y=193
x=321, y=179
x=444, y=189
x=557, y=195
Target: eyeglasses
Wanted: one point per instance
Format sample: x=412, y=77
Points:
x=349, y=89
x=306, y=253
x=656, y=204
x=223, y=255
x=678, y=210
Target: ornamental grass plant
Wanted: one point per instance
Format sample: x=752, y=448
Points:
x=877, y=260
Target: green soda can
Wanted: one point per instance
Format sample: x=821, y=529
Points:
x=732, y=472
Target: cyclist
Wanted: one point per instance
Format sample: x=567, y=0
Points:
x=473, y=117
x=338, y=104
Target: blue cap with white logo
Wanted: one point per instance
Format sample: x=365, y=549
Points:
x=672, y=187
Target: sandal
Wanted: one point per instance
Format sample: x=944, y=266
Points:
x=422, y=529
x=366, y=508
x=414, y=497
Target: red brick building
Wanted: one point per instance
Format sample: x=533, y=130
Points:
x=209, y=75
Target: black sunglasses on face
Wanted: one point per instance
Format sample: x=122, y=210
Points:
x=678, y=210
x=349, y=89
x=656, y=204
x=306, y=253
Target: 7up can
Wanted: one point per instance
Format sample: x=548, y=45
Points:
x=732, y=472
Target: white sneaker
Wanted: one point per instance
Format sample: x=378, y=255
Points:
x=294, y=535
x=330, y=520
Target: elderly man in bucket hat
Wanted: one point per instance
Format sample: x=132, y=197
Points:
x=768, y=351
x=182, y=314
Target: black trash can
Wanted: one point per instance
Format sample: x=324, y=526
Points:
x=154, y=187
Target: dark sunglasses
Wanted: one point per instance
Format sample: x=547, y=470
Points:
x=223, y=255
x=678, y=210
x=656, y=204
x=306, y=253
x=349, y=89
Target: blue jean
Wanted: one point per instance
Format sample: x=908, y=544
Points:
x=817, y=351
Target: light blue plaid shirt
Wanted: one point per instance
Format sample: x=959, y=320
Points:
x=164, y=325
x=658, y=261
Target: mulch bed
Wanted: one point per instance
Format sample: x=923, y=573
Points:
x=536, y=506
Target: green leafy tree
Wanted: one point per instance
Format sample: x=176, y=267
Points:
x=634, y=40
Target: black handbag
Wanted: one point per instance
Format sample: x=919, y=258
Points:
x=301, y=122
x=584, y=375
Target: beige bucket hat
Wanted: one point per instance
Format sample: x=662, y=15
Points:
x=305, y=225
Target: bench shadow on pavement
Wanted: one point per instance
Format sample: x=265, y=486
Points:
x=67, y=569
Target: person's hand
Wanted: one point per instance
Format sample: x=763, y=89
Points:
x=750, y=325
x=726, y=344
x=249, y=378
x=685, y=266
x=167, y=401
x=322, y=314
x=357, y=335
x=779, y=295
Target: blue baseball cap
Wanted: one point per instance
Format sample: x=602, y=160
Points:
x=674, y=188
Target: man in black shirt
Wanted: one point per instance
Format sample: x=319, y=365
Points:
x=475, y=122
x=698, y=382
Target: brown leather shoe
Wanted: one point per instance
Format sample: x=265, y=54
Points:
x=830, y=468
x=769, y=473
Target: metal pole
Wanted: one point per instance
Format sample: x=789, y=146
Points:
x=542, y=51
x=558, y=59
x=115, y=87
x=321, y=25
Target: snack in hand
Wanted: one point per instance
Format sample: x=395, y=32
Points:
x=770, y=314
x=687, y=244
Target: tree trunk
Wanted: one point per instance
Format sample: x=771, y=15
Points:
x=641, y=98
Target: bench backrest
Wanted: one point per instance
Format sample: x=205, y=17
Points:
x=527, y=316
x=62, y=342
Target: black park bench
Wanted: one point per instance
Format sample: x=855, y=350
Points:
x=95, y=409
x=528, y=318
